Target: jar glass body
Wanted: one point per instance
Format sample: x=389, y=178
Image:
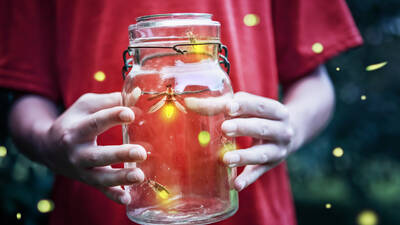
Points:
x=178, y=96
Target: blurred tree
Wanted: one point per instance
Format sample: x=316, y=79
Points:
x=365, y=125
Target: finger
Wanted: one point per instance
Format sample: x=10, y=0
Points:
x=106, y=155
x=107, y=176
x=258, y=154
x=245, y=104
x=100, y=121
x=249, y=175
x=130, y=98
x=91, y=102
x=117, y=194
x=258, y=128
x=208, y=106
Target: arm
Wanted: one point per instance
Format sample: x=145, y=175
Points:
x=66, y=143
x=278, y=129
x=310, y=102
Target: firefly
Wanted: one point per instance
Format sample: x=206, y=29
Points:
x=170, y=96
x=158, y=188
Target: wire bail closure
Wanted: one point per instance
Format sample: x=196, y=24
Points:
x=133, y=51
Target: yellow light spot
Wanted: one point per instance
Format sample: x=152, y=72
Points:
x=18, y=216
x=226, y=148
x=337, y=68
x=328, y=205
x=100, y=76
x=45, y=206
x=199, y=48
x=363, y=97
x=367, y=217
x=317, y=48
x=204, y=138
x=3, y=151
x=376, y=66
x=338, y=152
x=168, y=111
x=251, y=20
x=163, y=194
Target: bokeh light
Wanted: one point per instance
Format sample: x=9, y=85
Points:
x=251, y=20
x=338, y=152
x=45, y=206
x=363, y=97
x=18, y=216
x=376, y=66
x=367, y=217
x=3, y=151
x=328, y=205
x=337, y=68
x=204, y=138
x=317, y=48
x=100, y=76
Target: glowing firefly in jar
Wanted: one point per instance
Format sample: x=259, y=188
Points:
x=170, y=98
x=158, y=188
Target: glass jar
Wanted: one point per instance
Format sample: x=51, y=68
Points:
x=178, y=90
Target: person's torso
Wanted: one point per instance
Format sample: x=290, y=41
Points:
x=91, y=36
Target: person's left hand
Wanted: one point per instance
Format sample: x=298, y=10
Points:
x=267, y=121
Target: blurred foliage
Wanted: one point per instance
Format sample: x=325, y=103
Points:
x=23, y=183
x=366, y=177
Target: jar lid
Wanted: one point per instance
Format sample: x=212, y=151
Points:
x=173, y=20
x=173, y=27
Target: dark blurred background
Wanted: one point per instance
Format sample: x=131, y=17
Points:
x=348, y=175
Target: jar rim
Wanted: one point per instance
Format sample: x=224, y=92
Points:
x=157, y=16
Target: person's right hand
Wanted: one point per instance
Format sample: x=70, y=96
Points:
x=70, y=146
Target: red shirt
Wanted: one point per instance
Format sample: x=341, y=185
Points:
x=54, y=48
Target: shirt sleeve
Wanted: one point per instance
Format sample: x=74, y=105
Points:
x=309, y=32
x=27, y=49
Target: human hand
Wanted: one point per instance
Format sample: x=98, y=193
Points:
x=69, y=146
x=267, y=121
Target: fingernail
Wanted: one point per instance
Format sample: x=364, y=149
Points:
x=138, y=153
x=229, y=128
x=233, y=108
x=135, y=176
x=231, y=158
x=125, y=199
x=240, y=185
x=126, y=116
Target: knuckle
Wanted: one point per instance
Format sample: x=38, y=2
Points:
x=261, y=108
x=286, y=135
x=76, y=159
x=66, y=138
x=92, y=158
x=86, y=97
x=94, y=124
x=289, y=133
x=263, y=157
x=84, y=101
x=283, y=152
x=264, y=131
x=282, y=111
